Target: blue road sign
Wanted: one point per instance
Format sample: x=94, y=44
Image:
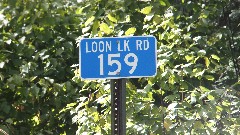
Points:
x=117, y=57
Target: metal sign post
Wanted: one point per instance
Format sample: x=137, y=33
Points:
x=118, y=106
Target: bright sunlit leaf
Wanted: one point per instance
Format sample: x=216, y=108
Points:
x=162, y=3
x=104, y=27
x=130, y=31
x=215, y=57
x=89, y=20
x=111, y=18
x=146, y=10
x=207, y=62
x=204, y=89
x=189, y=57
x=210, y=97
x=209, y=77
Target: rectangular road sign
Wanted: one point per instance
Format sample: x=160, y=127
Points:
x=118, y=57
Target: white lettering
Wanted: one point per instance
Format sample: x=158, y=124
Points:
x=130, y=59
x=101, y=49
x=98, y=46
x=138, y=44
x=108, y=46
x=94, y=44
x=87, y=51
x=119, y=47
x=146, y=44
x=133, y=63
x=126, y=45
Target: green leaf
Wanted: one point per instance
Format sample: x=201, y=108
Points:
x=204, y=14
x=95, y=27
x=111, y=18
x=183, y=85
x=28, y=29
x=219, y=108
x=162, y=3
x=215, y=57
x=226, y=103
x=156, y=19
x=193, y=98
x=146, y=10
x=204, y=89
x=104, y=27
x=45, y=5
x=198, y=72
x=79, y=10
x=5, y=107
x=89, y=20
x=17, y=79
x=198, y=125
x=36, y=119
x=9, y=120
x=189, y=57
x=207, y=62
x=147, y=88
x=130, y=31
x=209, y=77
x=59, y=51
x=22, y=39
x=1, y=77
x=167, y=123
x=210, y=97
x=171, y=79
x=35, y=90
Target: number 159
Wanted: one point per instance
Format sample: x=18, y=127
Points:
x=112, y=61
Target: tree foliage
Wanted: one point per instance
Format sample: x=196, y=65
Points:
x=37, y=50
x=196, y=89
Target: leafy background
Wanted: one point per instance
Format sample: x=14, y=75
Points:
x=196, y=90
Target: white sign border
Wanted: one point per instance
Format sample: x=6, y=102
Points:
x=115, y=76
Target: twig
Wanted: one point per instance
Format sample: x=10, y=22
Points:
x=4, y=132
